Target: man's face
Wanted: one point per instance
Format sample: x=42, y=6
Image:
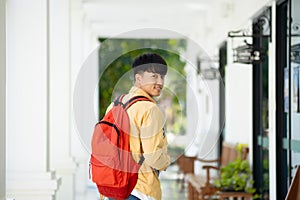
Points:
x=150, y=82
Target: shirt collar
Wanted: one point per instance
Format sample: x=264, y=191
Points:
x=136, y=91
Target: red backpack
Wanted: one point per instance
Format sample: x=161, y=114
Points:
x=113, y=169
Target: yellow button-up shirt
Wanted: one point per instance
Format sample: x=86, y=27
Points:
x=148, y=138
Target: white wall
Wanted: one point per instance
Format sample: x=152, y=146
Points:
x=229, y=16
x=238, y=110
x=2, y=99
x=202, y=108
x=226, y=16
x=208, y=136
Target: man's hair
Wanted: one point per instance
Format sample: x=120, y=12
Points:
x=150, y=62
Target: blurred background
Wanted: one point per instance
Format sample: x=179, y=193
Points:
x=233, y=77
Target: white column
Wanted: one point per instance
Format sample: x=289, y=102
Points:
x=192, y=97
x=77, y=59
x=60, y=97
x=2, y=99
x=84, y=59
x=90, y=40
x=28, y=174
x=272, y=106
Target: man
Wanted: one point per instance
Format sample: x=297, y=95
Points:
x=147, y=135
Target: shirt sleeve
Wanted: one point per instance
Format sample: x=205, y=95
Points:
x=154, y=141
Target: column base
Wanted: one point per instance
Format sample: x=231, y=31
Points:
x=66, y=171
x=81, y=179
x=31, y=186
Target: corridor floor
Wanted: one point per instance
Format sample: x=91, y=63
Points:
x=170, y=184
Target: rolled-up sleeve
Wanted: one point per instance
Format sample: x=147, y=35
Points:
x=154, y=141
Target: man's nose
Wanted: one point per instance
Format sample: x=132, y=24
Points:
x=160, y=80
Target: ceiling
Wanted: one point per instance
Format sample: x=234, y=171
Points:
x=115, y=17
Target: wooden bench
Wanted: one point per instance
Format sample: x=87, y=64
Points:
x=235, y=195
x=186, y=166
x=200, y=187
x=294, y=190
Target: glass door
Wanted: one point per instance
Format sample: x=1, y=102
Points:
x=294, y=65
x=287, y=90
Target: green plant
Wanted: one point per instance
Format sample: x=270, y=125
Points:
x=236, y=176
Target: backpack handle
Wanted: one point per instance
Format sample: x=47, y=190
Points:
x=134, y=100
x=118, y=101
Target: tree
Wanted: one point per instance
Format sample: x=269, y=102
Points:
x=115, y=59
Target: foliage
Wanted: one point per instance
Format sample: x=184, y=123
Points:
x=116, y=57
x=236, y=176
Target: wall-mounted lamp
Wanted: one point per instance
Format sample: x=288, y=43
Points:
x=248, y=54
x=210, y=73
x=198, y=65
x=204, y=67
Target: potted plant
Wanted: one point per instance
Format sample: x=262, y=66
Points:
x=236, y=176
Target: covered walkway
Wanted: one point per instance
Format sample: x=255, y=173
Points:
x=242, y=70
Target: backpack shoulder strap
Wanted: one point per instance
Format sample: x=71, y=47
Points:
x=134, y=100
x=118, y=100
x=127, y=105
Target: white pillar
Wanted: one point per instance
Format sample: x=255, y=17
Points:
x=77, y=59
x=28, y=174
x=272, y=106
x=90, y=40
x=84, y=59
x=60, y=98
x=192, y=97
x=2, y=99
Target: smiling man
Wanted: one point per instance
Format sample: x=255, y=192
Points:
x=147, y=122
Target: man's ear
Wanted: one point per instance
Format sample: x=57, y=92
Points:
x=138, y=78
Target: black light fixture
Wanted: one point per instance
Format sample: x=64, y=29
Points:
x=205, y=68
x=248, y=54
x=210, y=73
x=198, y=65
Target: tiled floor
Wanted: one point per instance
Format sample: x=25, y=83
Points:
x=171, y=186
x=172, y=190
